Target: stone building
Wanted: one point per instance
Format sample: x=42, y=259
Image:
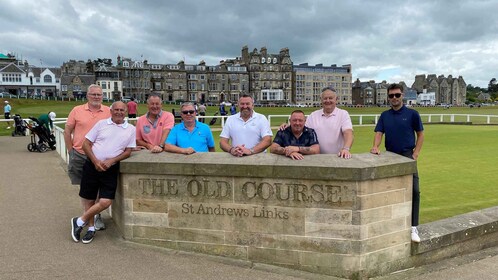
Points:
x=310, y=80
x=448, y=90
x=227, y=81
x=270, y=75
x=76, y=78
x=108, y=78
x=136, y=77
x=369, y=93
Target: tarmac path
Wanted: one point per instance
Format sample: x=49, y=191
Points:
x=37, y=202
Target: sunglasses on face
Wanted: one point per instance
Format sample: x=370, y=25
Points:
x=397, y=95
x=191, y=112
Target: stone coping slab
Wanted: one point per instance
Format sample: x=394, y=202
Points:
x=457, y=229
x=361, y=167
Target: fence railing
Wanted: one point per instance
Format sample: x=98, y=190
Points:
x=276, y=120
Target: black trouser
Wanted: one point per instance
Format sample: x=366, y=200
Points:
x=416, y=192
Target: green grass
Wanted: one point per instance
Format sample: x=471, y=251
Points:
x=457, y=165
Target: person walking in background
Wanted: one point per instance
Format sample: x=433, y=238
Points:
x=190, y=136
x=247, y=132
x=153, y=127
x=106, y=144
x=80, y=120
x=233, y=109
x=400, y=125
x=132, y=108
x=202, y=112
x=6, y=112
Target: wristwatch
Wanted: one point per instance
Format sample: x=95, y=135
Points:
x=161, y=146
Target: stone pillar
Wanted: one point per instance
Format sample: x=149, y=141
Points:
x=346, y=218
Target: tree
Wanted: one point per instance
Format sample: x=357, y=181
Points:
x=493, y=86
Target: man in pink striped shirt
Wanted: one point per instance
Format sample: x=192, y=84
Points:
x=106, y=144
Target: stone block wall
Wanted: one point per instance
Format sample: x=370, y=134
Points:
x=346, y=218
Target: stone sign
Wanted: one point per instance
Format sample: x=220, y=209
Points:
x=322, y=214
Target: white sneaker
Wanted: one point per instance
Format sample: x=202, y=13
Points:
x=415, y=237
x=99, y=224
x=8, y=127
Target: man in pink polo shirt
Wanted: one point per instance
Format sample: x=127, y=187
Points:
x=80, y=120
x=332, y=125
x=153, y=127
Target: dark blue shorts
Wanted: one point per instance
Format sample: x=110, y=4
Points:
x=95, y=183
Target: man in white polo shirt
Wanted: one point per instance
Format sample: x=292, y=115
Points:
x=106, y=144
x=247, y=132
x=332, y=125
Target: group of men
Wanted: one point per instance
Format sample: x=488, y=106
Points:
x=98, y=137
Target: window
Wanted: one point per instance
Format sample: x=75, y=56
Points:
x=191, y=86
x=104, y=85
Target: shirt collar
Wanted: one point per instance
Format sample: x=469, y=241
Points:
x=334, y=112
x=88, y=108
x=123, y=125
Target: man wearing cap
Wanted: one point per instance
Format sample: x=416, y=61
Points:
x=6, y=112
x=48, y=121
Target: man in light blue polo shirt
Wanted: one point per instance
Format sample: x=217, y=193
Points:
x=189, y=136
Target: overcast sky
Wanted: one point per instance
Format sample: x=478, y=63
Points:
x=382, y=40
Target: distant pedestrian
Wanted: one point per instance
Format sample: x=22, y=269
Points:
x=223, y=112
x=233, y=109
x=6, y=112
x=132, y=108
x=400, y=125
x=202, y=112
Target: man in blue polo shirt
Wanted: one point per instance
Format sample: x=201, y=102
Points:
x=400, y=125
x=296, y=140
x=189, y=136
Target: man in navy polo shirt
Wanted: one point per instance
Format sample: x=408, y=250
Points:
x=296, y=140
x=400, y=125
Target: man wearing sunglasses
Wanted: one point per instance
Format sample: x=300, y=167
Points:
x=400, y=125
x=190, y=136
